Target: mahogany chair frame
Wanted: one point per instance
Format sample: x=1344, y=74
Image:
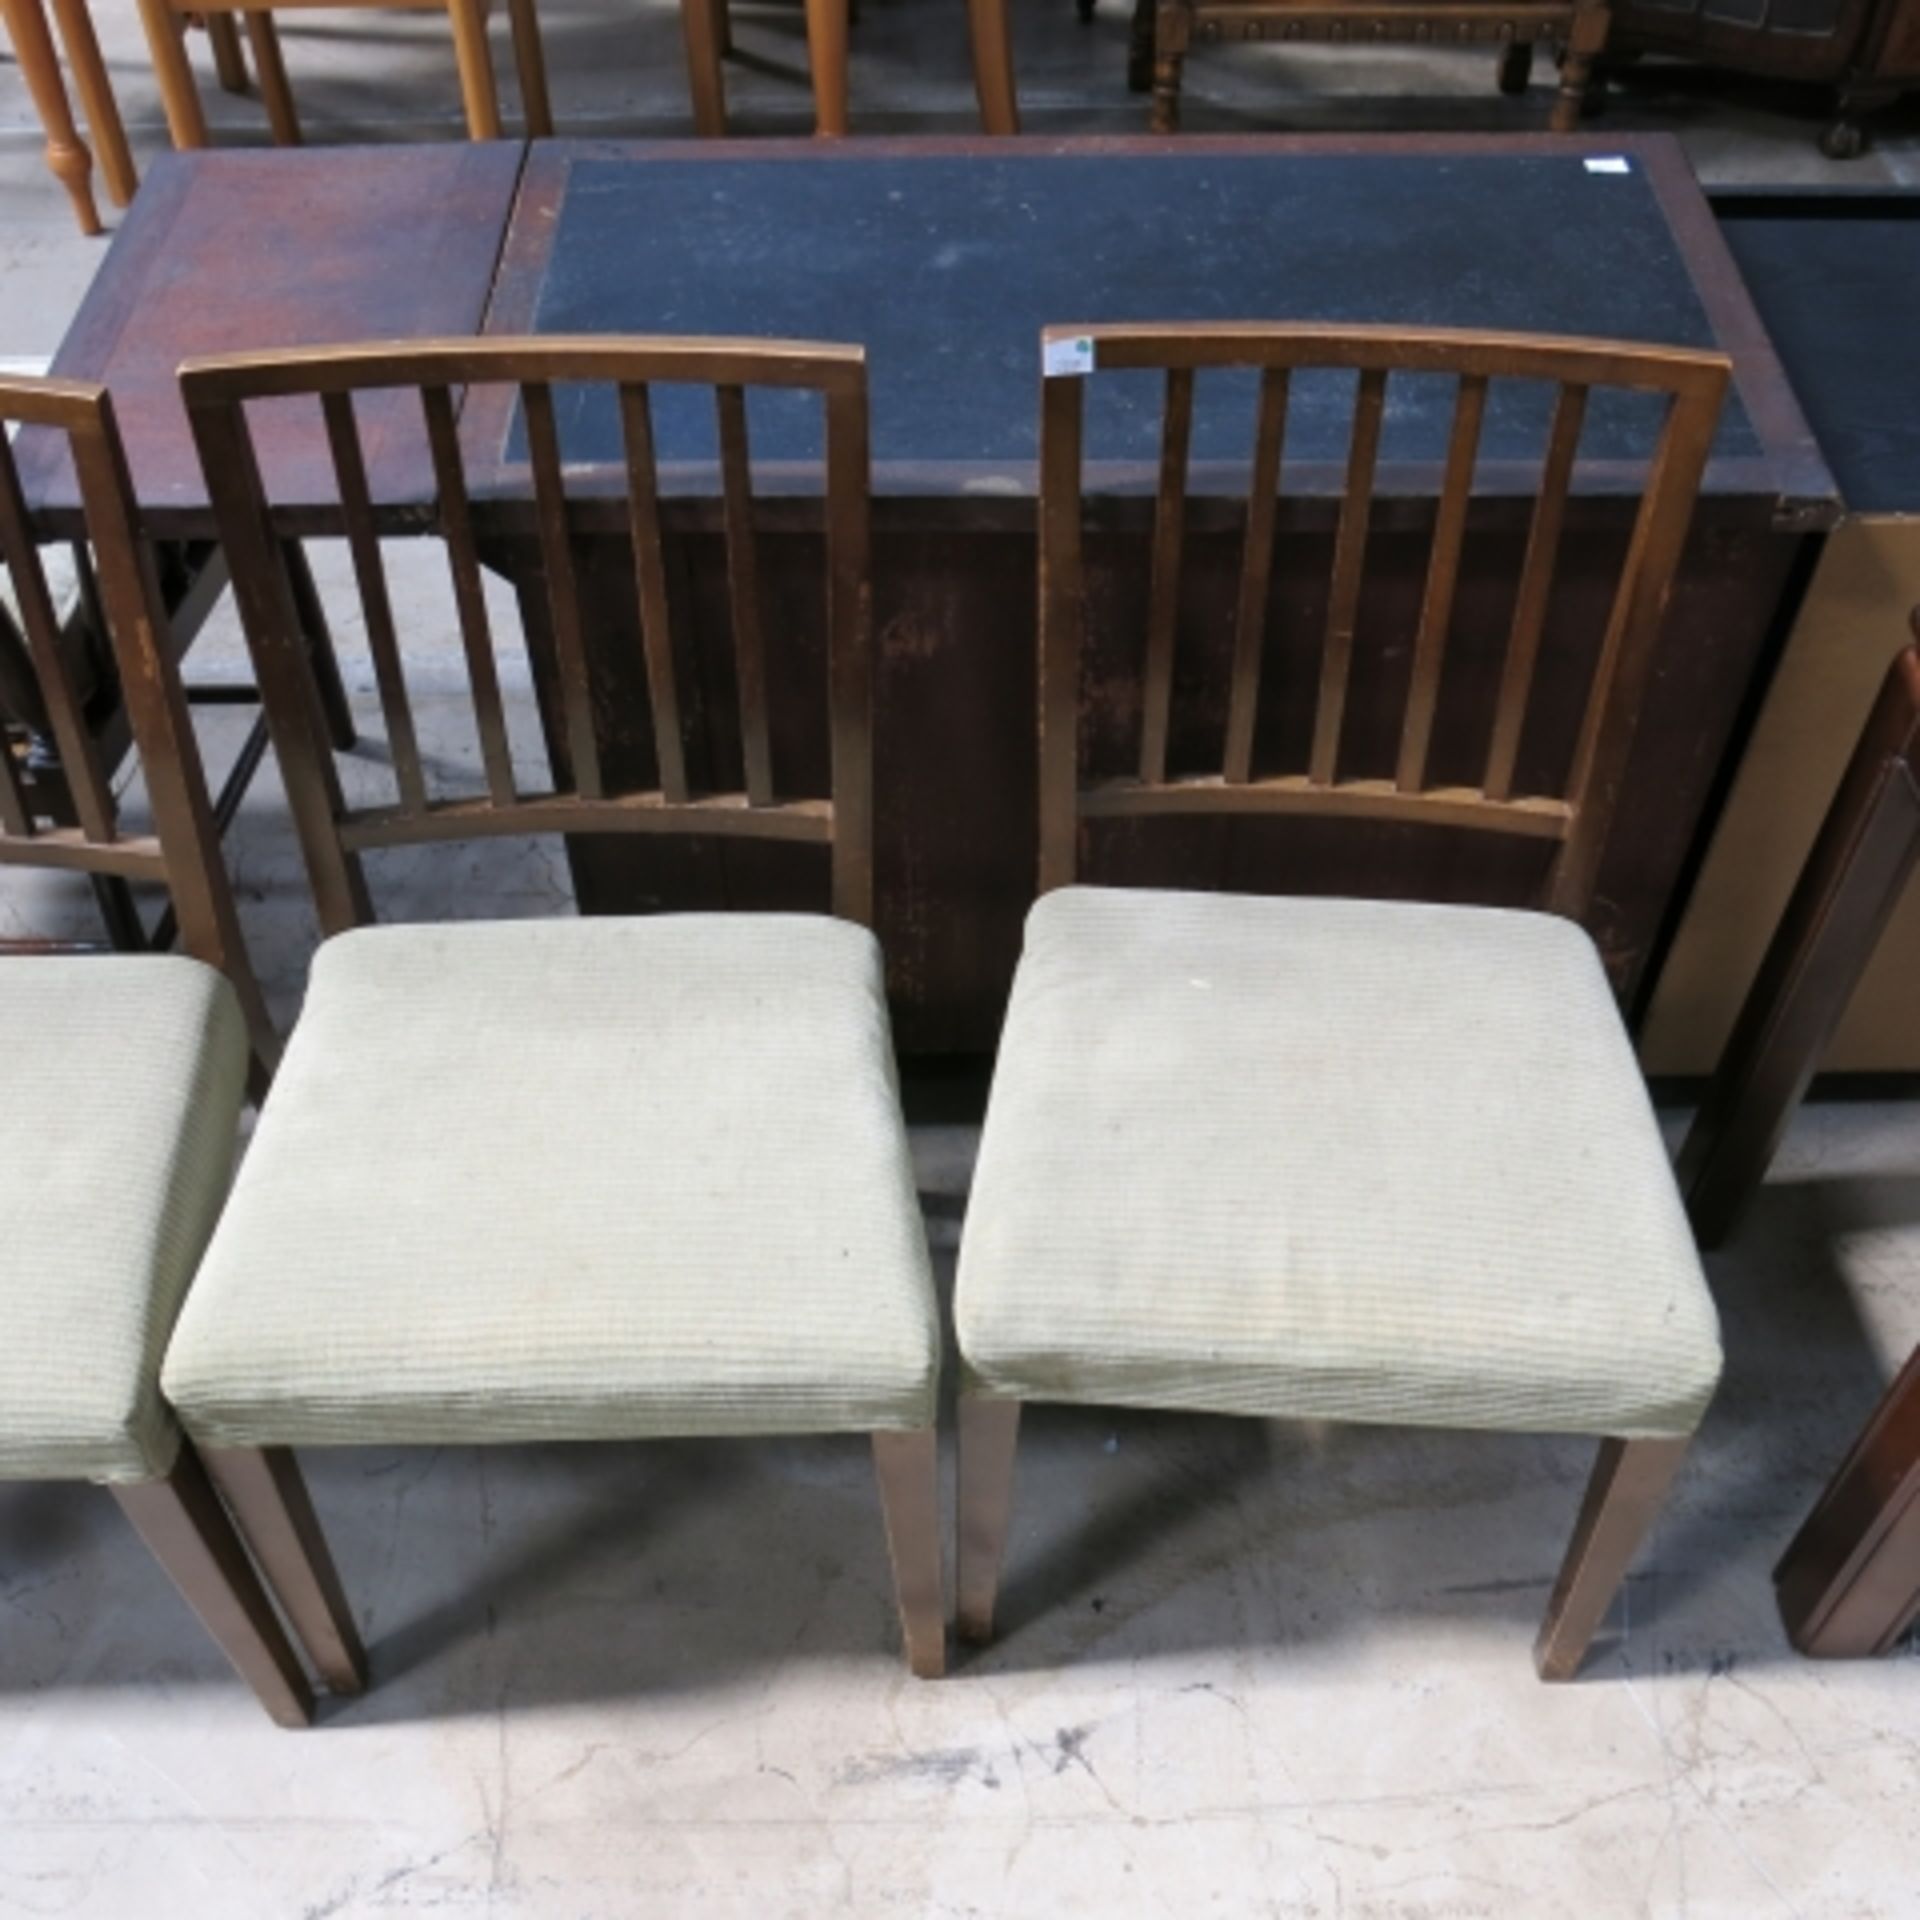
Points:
x=165, y=22
x=581, y=800
x=1849, y=1584
x=1631, y=1475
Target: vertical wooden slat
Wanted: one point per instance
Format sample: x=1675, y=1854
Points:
x=14, y=816
x=743, y=587
x=1443, y=574
x=1256, y=571
x=66, y=715
x=1163, y=595
x=1536, y=588
x=650, y=576
x=463, y=563
x=1063, y=614
x=563, y=591
x=850, y=643
x=1349, y=566
x=376, y=603
x=1626, y=652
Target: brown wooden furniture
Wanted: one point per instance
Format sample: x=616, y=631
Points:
x=794, y=796
x=1850, y=1582
x=1283, y=755
x=710, y=37
x=1867, y=50
x=165, y=21
x=402, y=243
x=1579, y=25
x=68, y=159
x=57, y=807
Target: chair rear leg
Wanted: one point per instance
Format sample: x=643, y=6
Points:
x=1630, y=1480
x=181, y=1520
x=907, y=1466
x=989, y=1436
x=264, y=1488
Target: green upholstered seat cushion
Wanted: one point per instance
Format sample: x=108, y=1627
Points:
x=124, y=1081
x=1331, y=1159
x=572, y=1179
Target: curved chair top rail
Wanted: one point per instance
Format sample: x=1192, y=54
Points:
x=583, y=794
x=1578, y=814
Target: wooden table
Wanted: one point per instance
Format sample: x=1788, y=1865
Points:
x=945, y=257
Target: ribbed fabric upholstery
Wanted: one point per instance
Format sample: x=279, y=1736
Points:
x=1331, y=1159
x=572, y=1179
x=124, y=1082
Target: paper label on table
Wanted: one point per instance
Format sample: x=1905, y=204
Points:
x=1067, y=357
x=1610, y=163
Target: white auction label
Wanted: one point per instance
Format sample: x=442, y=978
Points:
x=1610, y=163
x=1069, y=356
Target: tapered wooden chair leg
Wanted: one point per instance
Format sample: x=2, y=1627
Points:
x=477, y=91
x=530, y=63
x=276, y=91
x=229, y=62
x=993, y=65
x=271, y=1507
x=178, y=93
x=1630, y=1480
x=907, y=1466
x=827, y=56
x=97, y=101
x=67, y=157
x=181, y=1520
x=702, y=21
x=989, y=1437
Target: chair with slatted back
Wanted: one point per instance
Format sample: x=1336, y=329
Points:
x=1338, y=1159
x=599, y=1178
x=125, y=1074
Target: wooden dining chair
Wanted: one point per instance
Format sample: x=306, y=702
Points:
x=1849, y=1584
x=609, y=1178
x=1389, y=1162
x=125, y=1075
x=165, y=22
x=68, y=157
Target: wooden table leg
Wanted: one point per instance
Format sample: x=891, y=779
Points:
x=1171, y=25
x=1586, y=41
x=469, y=20
x=1845, y=895
x=993, y=65
x=827, y=56
x=67, y=157
x=166, y=44
x=1850, y=1583
x=96, y=99
x=702, y=21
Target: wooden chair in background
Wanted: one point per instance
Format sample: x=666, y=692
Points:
x=1342, y=1160
x=125, y=1075
x=654, y=1181
x=68, y=158
x=1850, y=1582
x=165, y=21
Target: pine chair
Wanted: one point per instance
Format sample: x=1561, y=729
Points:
x=165, y=22
x=1338, y=1159
x=112, y=1173
x=611, y=1178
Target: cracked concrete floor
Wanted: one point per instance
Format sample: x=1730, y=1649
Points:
x=1245, y=1668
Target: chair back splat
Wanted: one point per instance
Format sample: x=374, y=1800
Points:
x=581, y=797
x=1575, y=815
x=69, y=720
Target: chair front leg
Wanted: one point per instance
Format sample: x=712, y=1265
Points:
x=268, y=1496
x=179, y=95
x=470, y=51
x=907, y=1466
x=1630, y=1480
x=989, y=1437
x=181, y=1520
x=530, y=63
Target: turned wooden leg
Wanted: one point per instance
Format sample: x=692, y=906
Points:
x=229, y=62
x=97, y=101
x=1169, y=58
x=179, y=95
x=469, y=20
x=702, y=22
x=993, y=65
x=1630, y=1480
x=276, y=95
x=1586, y=41
x=271, y=1507
x=827, y=55
x=530, y=63
x=1516, y=66
x=181, y=1520
x=67, y=157
x=989, y=1437
x=907, y=1466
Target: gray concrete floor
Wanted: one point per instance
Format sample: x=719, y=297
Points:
x=1245, y=1667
